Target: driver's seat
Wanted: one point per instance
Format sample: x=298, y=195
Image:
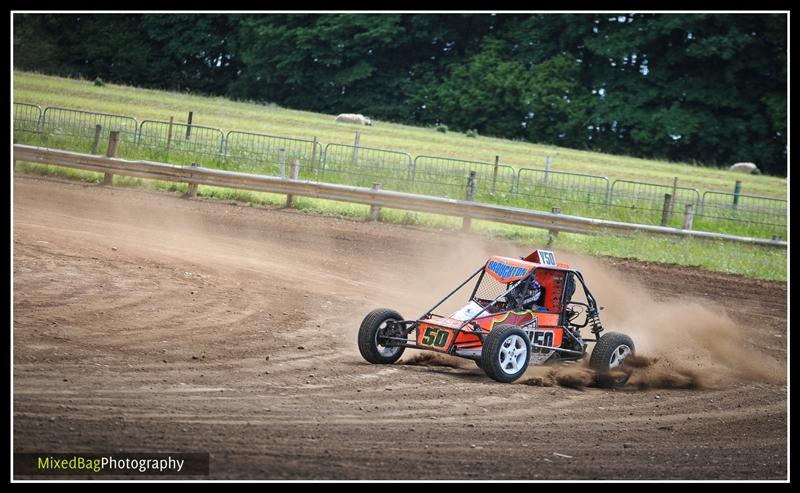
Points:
x=542, y=299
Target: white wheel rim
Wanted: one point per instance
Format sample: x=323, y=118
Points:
x=618, y=356
x=385, y=351
x=513, y=353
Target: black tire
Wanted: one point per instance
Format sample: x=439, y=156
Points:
x=494, y=355
x=372, y=325
x=612, y=345
x=478, y=363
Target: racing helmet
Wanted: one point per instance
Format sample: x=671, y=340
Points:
x=535, y=290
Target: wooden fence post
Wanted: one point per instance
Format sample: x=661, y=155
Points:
x=293, y=174
x=665, y=212
x=552, y=234
x=169, y=133
x=494, y=174
x=674, y=196
x=97, y=130
x=737, y=190
x=466, y=222
x=688, y=216
x=113, y=140
x=189, y=126
x=282, y=162
x=548, y=162
x=313, y=155
x=192, y=190
x=374, y=210
x=355, y=147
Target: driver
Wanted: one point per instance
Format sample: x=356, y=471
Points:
x=529, y=295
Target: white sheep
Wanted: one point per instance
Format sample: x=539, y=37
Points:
x=744, y=168
x=358, y=119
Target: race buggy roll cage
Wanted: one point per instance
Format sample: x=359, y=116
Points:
x=592, y=315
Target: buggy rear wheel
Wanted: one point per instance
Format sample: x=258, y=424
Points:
x=607, y=359
x=506, y=353
x=375, y=326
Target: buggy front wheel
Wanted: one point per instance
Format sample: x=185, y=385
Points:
x=376, y=326
x=506, y=353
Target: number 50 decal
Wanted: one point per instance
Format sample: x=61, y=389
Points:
x=435, y=337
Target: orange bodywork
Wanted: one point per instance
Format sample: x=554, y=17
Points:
x=439, y=333
x=431, y=332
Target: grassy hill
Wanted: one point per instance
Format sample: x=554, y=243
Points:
x=270, y=119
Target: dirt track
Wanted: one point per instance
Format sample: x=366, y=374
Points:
x=148, y=323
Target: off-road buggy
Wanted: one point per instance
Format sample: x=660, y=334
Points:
x=501, y=329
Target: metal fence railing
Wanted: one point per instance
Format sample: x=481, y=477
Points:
x=574, y=193
x=359, y=195
x=181, y=138
x=81, y=124
x=261, y=153
x=744, y=208
x=624, y=192
x=363, y=166
x=645, y=201
x=563, y=187
x=448, y=177
x=27, y=117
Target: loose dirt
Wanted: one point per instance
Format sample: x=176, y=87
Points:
x=144, y=322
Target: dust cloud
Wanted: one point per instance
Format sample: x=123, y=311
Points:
x=684, y=342
x=680, y=342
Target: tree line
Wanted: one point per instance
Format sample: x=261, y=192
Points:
x=703, y=88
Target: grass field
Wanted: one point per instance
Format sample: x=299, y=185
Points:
x=229, y=115
x=143, y=104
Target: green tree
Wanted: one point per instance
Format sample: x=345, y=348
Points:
x=559, y=106
x=704, y=87
x=485, y=94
